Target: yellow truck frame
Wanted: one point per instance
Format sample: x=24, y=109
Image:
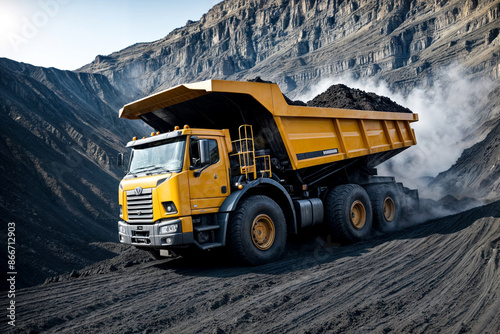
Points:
x=247, y=168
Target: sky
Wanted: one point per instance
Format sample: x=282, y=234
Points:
x=68, y=34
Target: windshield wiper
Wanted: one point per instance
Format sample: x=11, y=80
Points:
x=149, y=168
x=160, y=167
x=142, y=168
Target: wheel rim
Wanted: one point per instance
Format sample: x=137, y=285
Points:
x=358, y=215
x=263, y=232
x=389, y=209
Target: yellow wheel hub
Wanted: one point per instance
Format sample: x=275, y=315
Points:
x=263, y=232
x=358, y=215
x=389, y=209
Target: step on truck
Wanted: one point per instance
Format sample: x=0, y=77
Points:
x=232, y=164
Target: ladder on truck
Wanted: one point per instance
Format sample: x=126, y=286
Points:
x=251, y=166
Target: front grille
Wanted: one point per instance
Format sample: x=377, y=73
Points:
x=142, y=241
x=140, y=233
x=140, y=206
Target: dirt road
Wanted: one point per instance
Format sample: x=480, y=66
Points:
x=441, y=276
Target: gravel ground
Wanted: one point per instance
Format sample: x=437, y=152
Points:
x=439, y=276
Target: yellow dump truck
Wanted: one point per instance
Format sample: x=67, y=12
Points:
x=232, y=164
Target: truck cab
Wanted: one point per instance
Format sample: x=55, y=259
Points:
x=172, y=177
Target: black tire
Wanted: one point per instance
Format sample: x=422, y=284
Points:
x=387, y=207
x=257, y=231
x=348, y=213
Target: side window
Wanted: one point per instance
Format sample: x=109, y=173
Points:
x=214, y=151
x=195, y=153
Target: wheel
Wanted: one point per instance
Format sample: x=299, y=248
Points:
x=386, y=206
x=348, y=213
x=257, y=231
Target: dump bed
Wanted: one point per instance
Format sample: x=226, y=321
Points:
x=302, y=136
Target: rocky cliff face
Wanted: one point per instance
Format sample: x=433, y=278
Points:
x=59, y=138
x=297, y=42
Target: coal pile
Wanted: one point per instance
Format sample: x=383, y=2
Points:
x=344, y=97
x=341, y=96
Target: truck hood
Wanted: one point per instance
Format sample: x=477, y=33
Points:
x=150, y=181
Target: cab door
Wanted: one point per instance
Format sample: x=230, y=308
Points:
x=208, y=184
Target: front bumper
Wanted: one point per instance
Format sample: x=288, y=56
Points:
x=145, y=235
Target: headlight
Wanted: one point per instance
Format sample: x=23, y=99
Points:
x=121, y=229
x=167, y=229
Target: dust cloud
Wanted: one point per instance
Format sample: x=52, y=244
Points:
x=449, y=111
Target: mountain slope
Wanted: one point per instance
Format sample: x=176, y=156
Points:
x=297, y=42
x=477, y=171
x=59, y=138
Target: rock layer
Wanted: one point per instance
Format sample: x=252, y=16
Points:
x=297, y=42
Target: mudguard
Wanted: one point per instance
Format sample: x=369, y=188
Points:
x=231, y=202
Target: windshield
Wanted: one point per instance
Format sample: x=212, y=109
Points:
x=163, y=156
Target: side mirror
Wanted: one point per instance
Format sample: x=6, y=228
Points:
x=204, y=152
x=120, y=162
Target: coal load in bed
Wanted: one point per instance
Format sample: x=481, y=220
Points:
x=341, y=96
